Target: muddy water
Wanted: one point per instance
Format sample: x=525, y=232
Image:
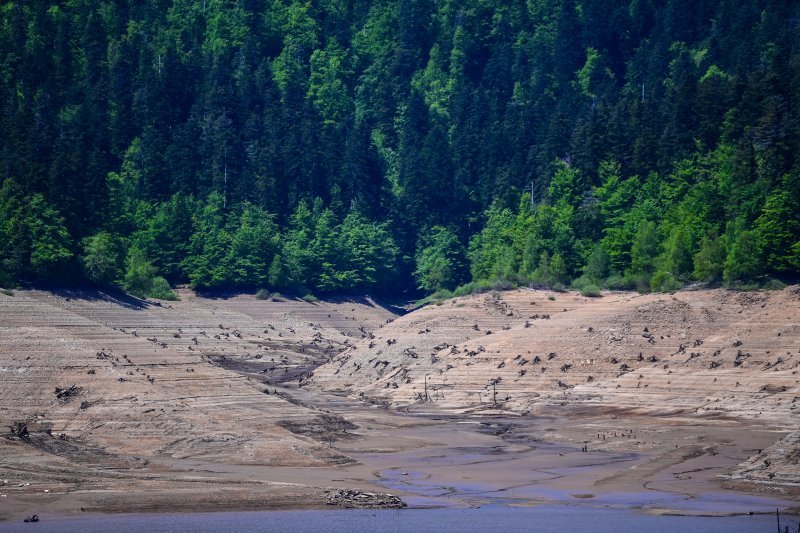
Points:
x=491, y=518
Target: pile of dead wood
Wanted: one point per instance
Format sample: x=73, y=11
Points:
x=67, y=393
x=364, y=500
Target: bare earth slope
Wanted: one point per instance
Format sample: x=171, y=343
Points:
x=109, y=403
x=708, y=355
x=104, y=393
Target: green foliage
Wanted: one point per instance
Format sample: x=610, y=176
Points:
x=321, y=252
x=664, y=282
x=209, y=246
x=13, y=233
x=323, y=145
x=264, y=294
x=50, y=241
x=102, y=258
x=491, y=249
x=566, y=186
x=165, y=232
x=141, y=280
x=743, y=263
x=709, y=261
x=327, y=89
x=644, y=249
x=252, y=248
x=597, y=266
x=161, y=290
x=590, y=290
x=298, y=254
x=440, y=260
x=482, y=286
x=368, y=250
x=777, y=229
x=550, y=272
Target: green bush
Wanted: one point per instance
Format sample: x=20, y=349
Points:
x=638, y=281
x=161, y=290
x=774, y=285
x=481, y=286
x=580, y=282
x=141, y=279
x=102, y=258
x=310, y=298
x=664, y=282
x=591, y=290
x=615, y=282
x=264, y=294
x=6, y=279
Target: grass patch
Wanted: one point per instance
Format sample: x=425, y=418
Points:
x=7, y=292
x=310, y=298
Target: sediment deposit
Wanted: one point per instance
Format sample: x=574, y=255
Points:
x=110, y=403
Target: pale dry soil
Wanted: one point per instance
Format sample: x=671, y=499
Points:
x=672, y=403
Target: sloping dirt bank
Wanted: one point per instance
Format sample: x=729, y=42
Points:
x=711, y=358
x=102, y=394
x=108, y=403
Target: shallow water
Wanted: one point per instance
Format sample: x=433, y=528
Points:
x=491, y=518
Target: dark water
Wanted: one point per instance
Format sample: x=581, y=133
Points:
x=490, y=519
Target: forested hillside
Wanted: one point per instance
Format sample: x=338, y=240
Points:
x=395, y=144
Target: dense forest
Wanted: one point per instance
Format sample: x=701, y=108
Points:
x=399, y=145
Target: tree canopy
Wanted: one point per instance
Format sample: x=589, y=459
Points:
x=395, y=145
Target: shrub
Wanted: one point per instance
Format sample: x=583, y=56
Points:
x=440, y=261
x=141, y=279
x=774, y=285
x=310, y=298
x=615, y=282
x=161, y=290
x=581, y=281
x=591, y=290
x=6, y=279
x=664, y=282
x=102, y=258
x=638, y=281
x=264, y=294
x=484, y=285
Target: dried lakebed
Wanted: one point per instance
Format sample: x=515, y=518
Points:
x=214, y=404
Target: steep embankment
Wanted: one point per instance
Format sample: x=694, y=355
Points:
x=710, y=354
x=92, y=383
